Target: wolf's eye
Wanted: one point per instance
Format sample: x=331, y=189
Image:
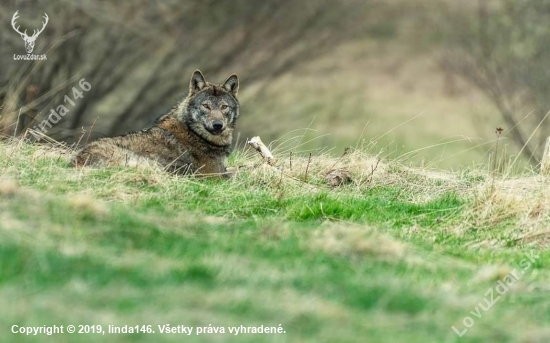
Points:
x=224, y=107
x=206, y=106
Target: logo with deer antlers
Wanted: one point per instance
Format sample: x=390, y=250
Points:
x=29, y=40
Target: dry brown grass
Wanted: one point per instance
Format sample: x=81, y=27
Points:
x=519, y=203
x=8, y=187
x=356, y=242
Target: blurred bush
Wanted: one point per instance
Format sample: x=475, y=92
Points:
x=502, y=47
x=138, y=56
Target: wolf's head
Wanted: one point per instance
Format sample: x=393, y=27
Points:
x=211, y=110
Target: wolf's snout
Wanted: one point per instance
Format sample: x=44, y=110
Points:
x=217, y=125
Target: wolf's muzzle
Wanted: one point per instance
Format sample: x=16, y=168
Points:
x=216, y=127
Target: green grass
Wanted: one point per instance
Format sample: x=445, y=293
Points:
x=400, y=255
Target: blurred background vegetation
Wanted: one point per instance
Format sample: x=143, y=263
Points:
x=427, y=80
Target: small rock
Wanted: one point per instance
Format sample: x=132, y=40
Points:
x=338, y=177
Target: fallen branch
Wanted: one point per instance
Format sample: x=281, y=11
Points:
x=334, y=178
x=259, y=146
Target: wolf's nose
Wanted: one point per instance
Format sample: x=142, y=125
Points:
x=217, y=125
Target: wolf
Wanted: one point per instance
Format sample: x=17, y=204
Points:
x=195, y=137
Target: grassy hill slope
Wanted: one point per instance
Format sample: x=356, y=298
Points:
x=398, y=255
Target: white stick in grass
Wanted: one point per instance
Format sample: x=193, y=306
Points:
x=259, y=146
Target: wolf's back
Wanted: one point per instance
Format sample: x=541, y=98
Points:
x=107, y=152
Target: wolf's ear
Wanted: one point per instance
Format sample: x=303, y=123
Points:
x=197, y=82
x=232, y=84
